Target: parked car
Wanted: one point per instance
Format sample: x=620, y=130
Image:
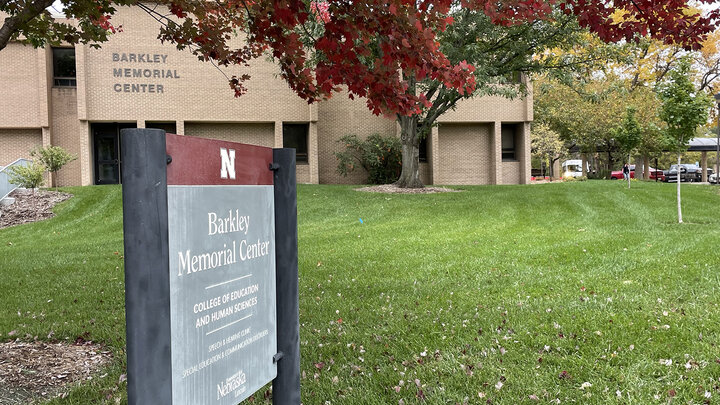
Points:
x=654, y=173
x=713, y=178
x=688, y=172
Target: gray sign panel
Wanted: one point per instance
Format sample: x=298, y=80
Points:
x=222, y=292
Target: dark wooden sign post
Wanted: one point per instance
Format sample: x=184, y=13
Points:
x=211, y=271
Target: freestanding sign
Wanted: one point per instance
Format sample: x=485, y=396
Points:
x=206, y=284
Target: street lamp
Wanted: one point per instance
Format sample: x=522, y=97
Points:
x=717, y=155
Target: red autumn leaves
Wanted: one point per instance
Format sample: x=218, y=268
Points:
x=370, y=48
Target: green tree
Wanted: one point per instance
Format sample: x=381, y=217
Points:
x=498, y=56
x=53, y=158
x=629, y=135
x=30, y=176
x=684, y=109
x=583, y=112
x=546, y=145
x=31, y=22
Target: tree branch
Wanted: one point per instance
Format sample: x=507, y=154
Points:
x=12, y=24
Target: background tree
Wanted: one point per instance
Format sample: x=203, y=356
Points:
x=629, y=136
x=584, y=114
x=498, y=55
x=546, y=144
x=684, y=109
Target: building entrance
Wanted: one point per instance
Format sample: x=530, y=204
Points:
x=106, y=152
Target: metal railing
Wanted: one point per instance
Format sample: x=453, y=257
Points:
x=5, y=186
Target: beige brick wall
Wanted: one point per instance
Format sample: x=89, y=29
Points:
x=23, y=98
x=464, y=153
x=492, y=108
x=196, y=95
x=511, y=172
x=253, y=134
x=302, y=173
x=193, y=91
x=67, y=133
x=17, y=143
x=341, y=116
x=425, y=171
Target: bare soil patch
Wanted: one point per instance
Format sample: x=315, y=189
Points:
x=393, y=189
x=30, y=207
x=38, y=371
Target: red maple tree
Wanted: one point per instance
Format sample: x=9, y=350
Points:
x=365, y=47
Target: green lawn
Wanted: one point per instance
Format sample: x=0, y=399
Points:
x=585, y=292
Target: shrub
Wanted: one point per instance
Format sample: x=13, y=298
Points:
x=600, y=174
x=571, y=178
x=379, y=155
x=52, y=157
x=30, y=176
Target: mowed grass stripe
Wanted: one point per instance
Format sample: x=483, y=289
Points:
x=487, y=294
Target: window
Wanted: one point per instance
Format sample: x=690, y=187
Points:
x=168, y=127
x=423, y=145
x=424, y=149
x=509, y=140
x=296, y=136
x=64, y=67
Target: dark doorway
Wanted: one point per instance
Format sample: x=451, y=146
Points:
x=106, y=152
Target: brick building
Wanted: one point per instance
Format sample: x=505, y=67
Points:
x=80, y=97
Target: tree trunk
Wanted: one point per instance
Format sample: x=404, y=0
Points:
x=646, y=168
x=410, y=175
x=596, y=165
x=678, y=191
x=584, y=164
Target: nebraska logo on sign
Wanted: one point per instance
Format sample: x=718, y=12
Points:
x=236, y=164
x=228, y=163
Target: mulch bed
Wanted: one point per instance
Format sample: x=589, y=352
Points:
x=30, y=207
x=38, y=371
x=393, y=189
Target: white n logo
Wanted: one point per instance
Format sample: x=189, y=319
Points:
x=228, y=163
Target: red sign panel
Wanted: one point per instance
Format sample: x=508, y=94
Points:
x=199, y=161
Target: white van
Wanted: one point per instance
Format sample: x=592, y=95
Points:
x=573, y=168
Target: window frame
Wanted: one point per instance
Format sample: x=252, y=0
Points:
x=301, y=157
x=63, y=80
x=509, y=154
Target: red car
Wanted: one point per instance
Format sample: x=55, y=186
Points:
x=654, y=173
